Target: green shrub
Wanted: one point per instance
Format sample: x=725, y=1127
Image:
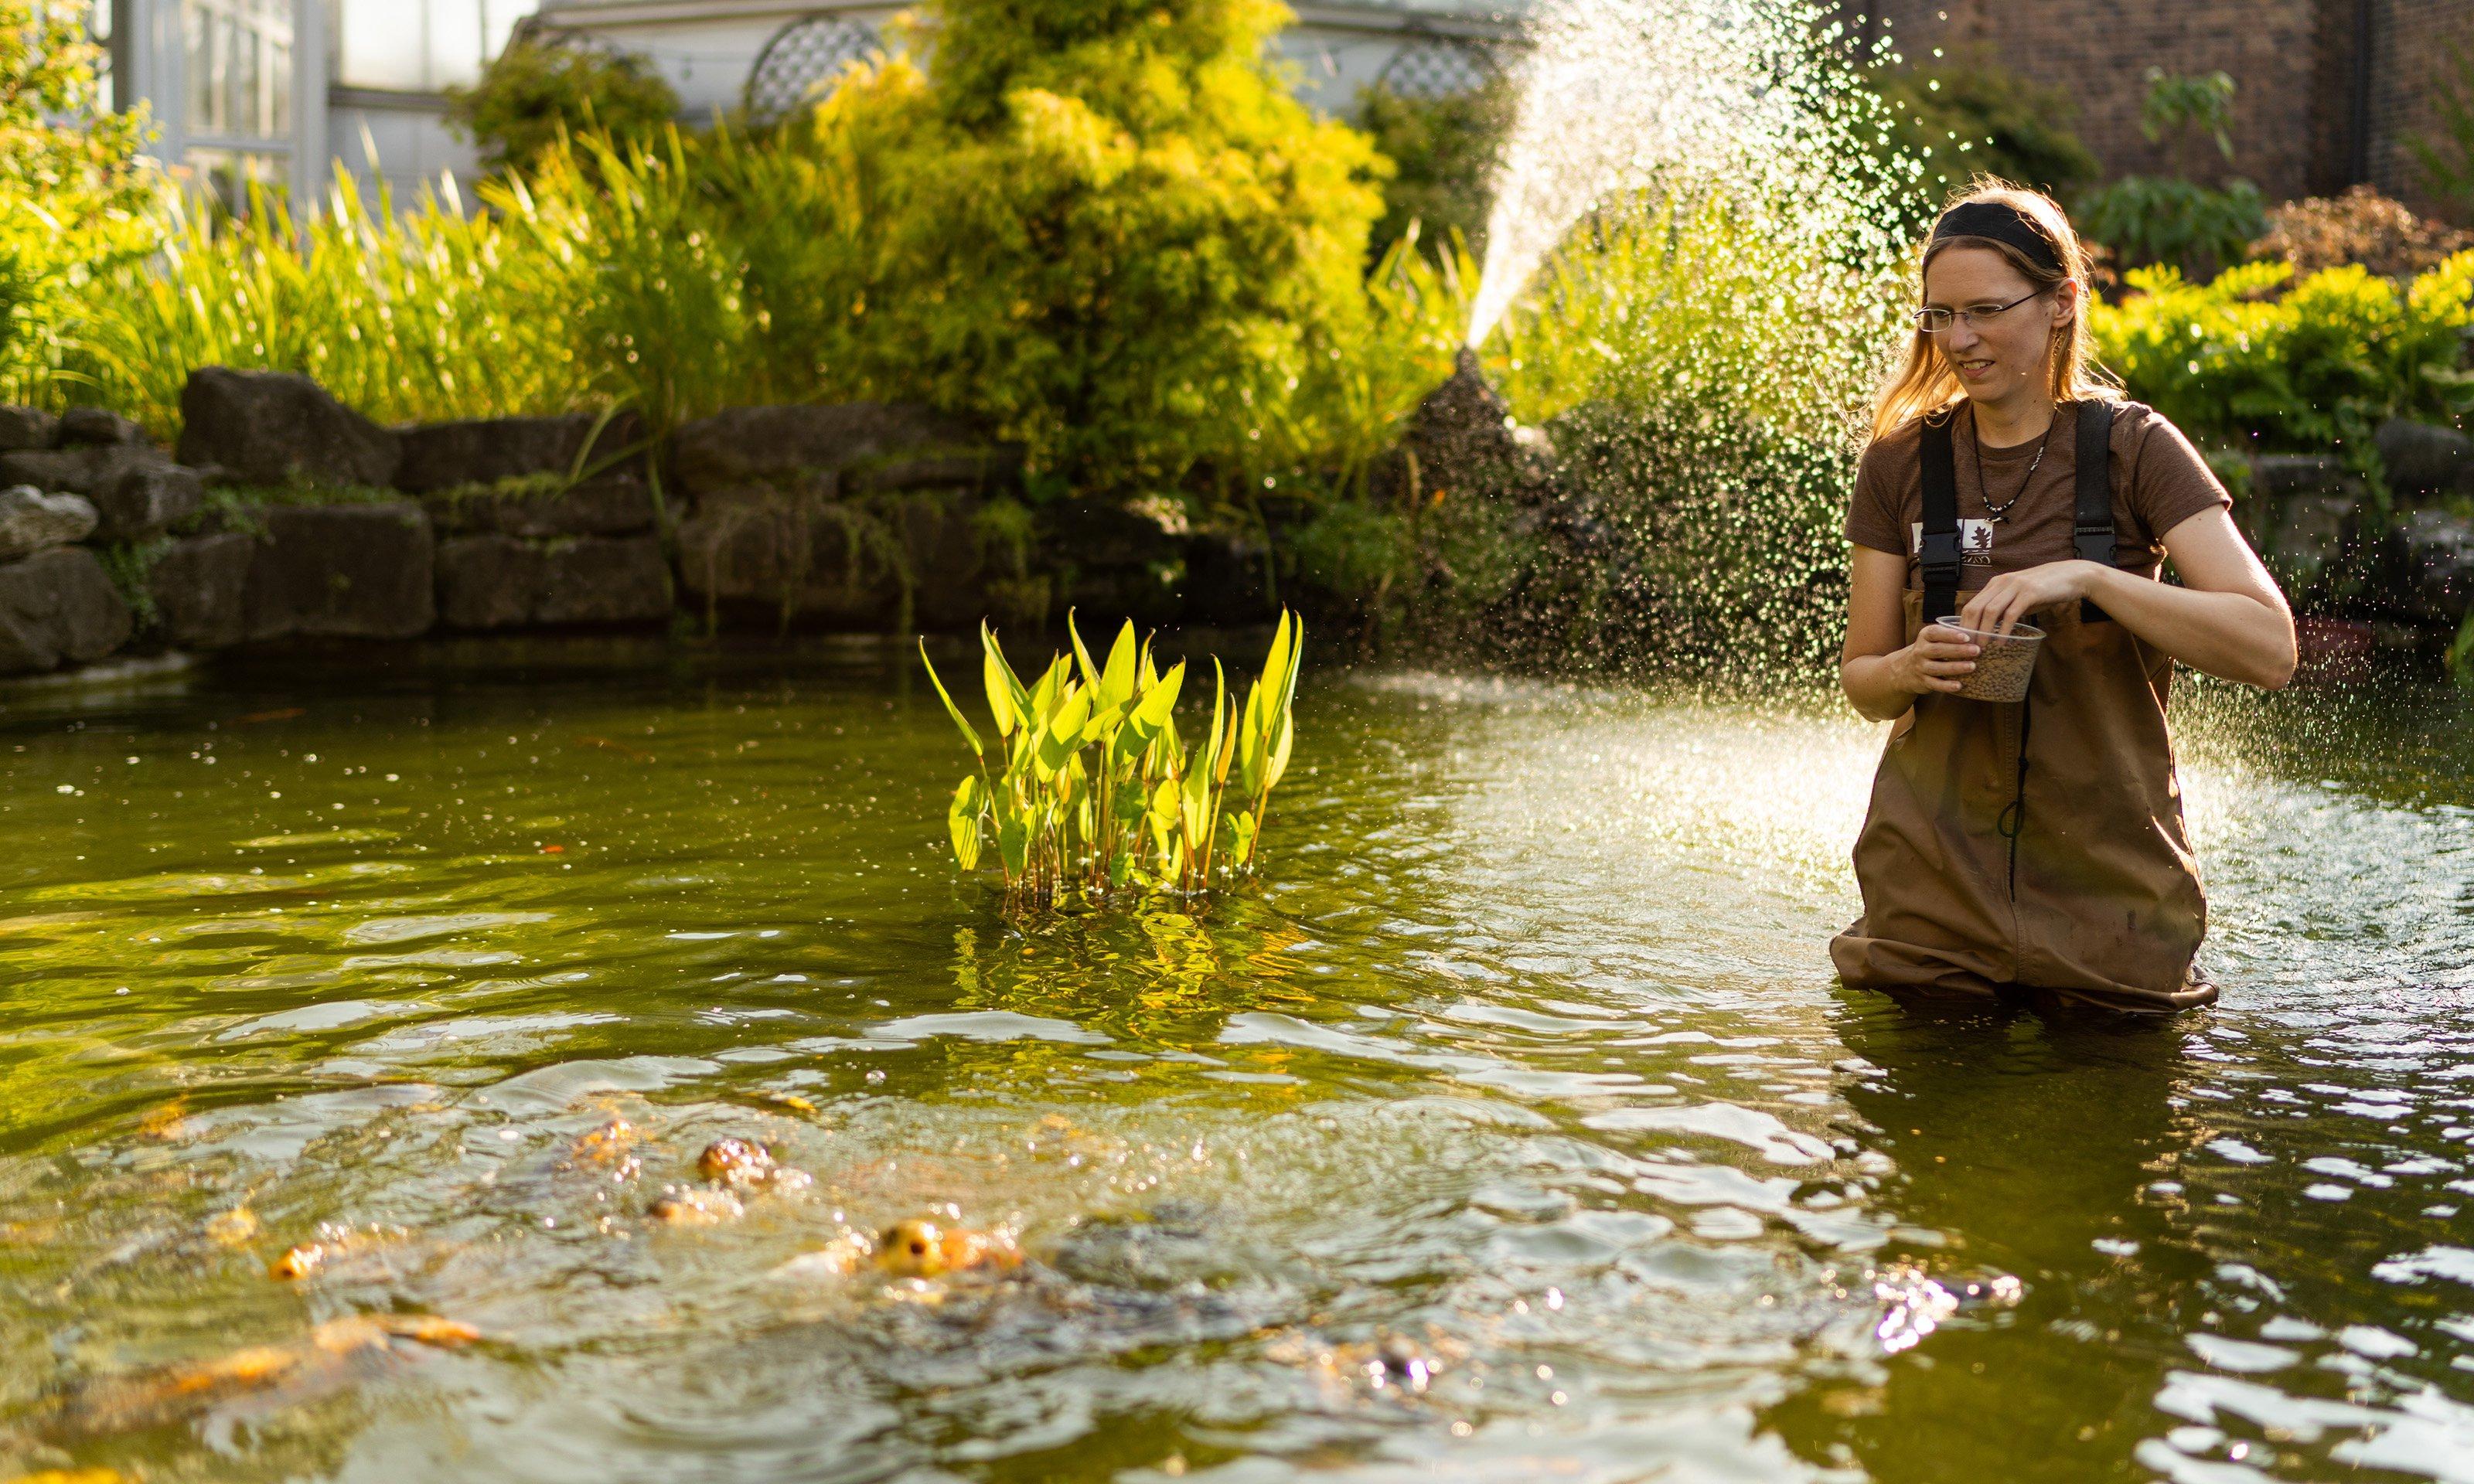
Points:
x=1444, y=152
x=2161, y=219
x=76, y=202
x=1110, y=228
x=535, y=93
x=2254, y=360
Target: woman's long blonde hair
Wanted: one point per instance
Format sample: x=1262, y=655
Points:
x=1924, y=384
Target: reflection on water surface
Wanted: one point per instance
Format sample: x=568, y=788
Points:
x=1514, y=1129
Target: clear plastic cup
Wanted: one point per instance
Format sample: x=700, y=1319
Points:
x=2006, y=660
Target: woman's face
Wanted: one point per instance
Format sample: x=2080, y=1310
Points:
x=1998, y=356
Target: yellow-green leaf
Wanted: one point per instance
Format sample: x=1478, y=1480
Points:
x=951, y=709
x=1117, y=680
x=962, y=821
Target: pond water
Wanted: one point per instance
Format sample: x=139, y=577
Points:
x=1513, y=1129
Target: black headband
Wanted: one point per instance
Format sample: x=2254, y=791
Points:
x=2005, y=224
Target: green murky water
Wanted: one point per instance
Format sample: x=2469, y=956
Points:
x=1516, y=1130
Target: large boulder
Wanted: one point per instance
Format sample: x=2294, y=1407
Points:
x=807, y=449
x=615, y=506
x=505, y=581
x=347, y=571
x=33, y=521
x=80, y=425
x=2310, y=539
x=201, y=590
x=59, y=606
x=136, y=492
x=2423, y=461
x=911, y=558
x=280, y=428
x=26, y=428
x=2436, y=549
x=448, y=455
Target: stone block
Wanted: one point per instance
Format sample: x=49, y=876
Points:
x=837, y=564
x=97, y=425
x=2438, y=576
x=148, y=500
x=601, y=506
x=806, y=447
x=346, y=571
x=136, y=492
x=279, y=428
x=23, y=429
x=505, y=581
x=58, y=607
x=987, y=469
x=201, y=590
x=2423, y=461
x=600, y=579
x=2312, y=537
x=2276, y=477
x=33, y=521
x=444, y=455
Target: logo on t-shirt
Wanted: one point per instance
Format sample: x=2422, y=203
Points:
x=1974, y=541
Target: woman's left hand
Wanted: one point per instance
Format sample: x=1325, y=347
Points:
x=2013, y=595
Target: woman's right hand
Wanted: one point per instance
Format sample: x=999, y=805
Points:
x=1939, y=661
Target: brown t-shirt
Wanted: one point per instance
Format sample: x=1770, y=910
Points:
x=2159, y=481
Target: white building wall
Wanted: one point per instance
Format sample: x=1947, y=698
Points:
x=381, y=113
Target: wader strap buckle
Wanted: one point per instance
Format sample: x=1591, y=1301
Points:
x=1937, y=553
x=2091, y=520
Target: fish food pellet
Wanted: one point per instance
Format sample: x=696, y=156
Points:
x=2002, y=668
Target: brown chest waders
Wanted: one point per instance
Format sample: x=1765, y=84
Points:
x=1999, y=856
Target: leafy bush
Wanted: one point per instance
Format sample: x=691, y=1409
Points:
x=2361, y=226
x=75, y=199
x=2316, y=365
x=1444, y=153
x=1957, y=122
x=2173, y=218
x=2160, y=219
x=535, y=93
x=1112, y=230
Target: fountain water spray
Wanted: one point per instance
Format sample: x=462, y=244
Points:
x=1621, y=96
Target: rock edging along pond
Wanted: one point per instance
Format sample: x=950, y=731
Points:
x=284, y=514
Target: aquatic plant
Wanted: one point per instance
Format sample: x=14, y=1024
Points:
x=1090, y=783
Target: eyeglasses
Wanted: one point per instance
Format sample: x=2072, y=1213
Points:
x=1930, y=321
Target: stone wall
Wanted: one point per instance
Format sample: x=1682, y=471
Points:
x=284, y=514
x=2098, y=52
x=2298, y=66
x=2414, y=49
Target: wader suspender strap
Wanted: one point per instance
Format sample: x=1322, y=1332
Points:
x=1937, y=553
x=2092, y=526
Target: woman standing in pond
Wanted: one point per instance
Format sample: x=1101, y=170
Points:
x=2033, y=851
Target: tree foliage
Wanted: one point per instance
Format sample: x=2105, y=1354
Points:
x=1108, y=226
x=1444, y=153
x=75, y=198
x=535, y=93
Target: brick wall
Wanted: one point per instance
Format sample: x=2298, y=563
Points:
x=2414, y=44
x=2287, y=58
